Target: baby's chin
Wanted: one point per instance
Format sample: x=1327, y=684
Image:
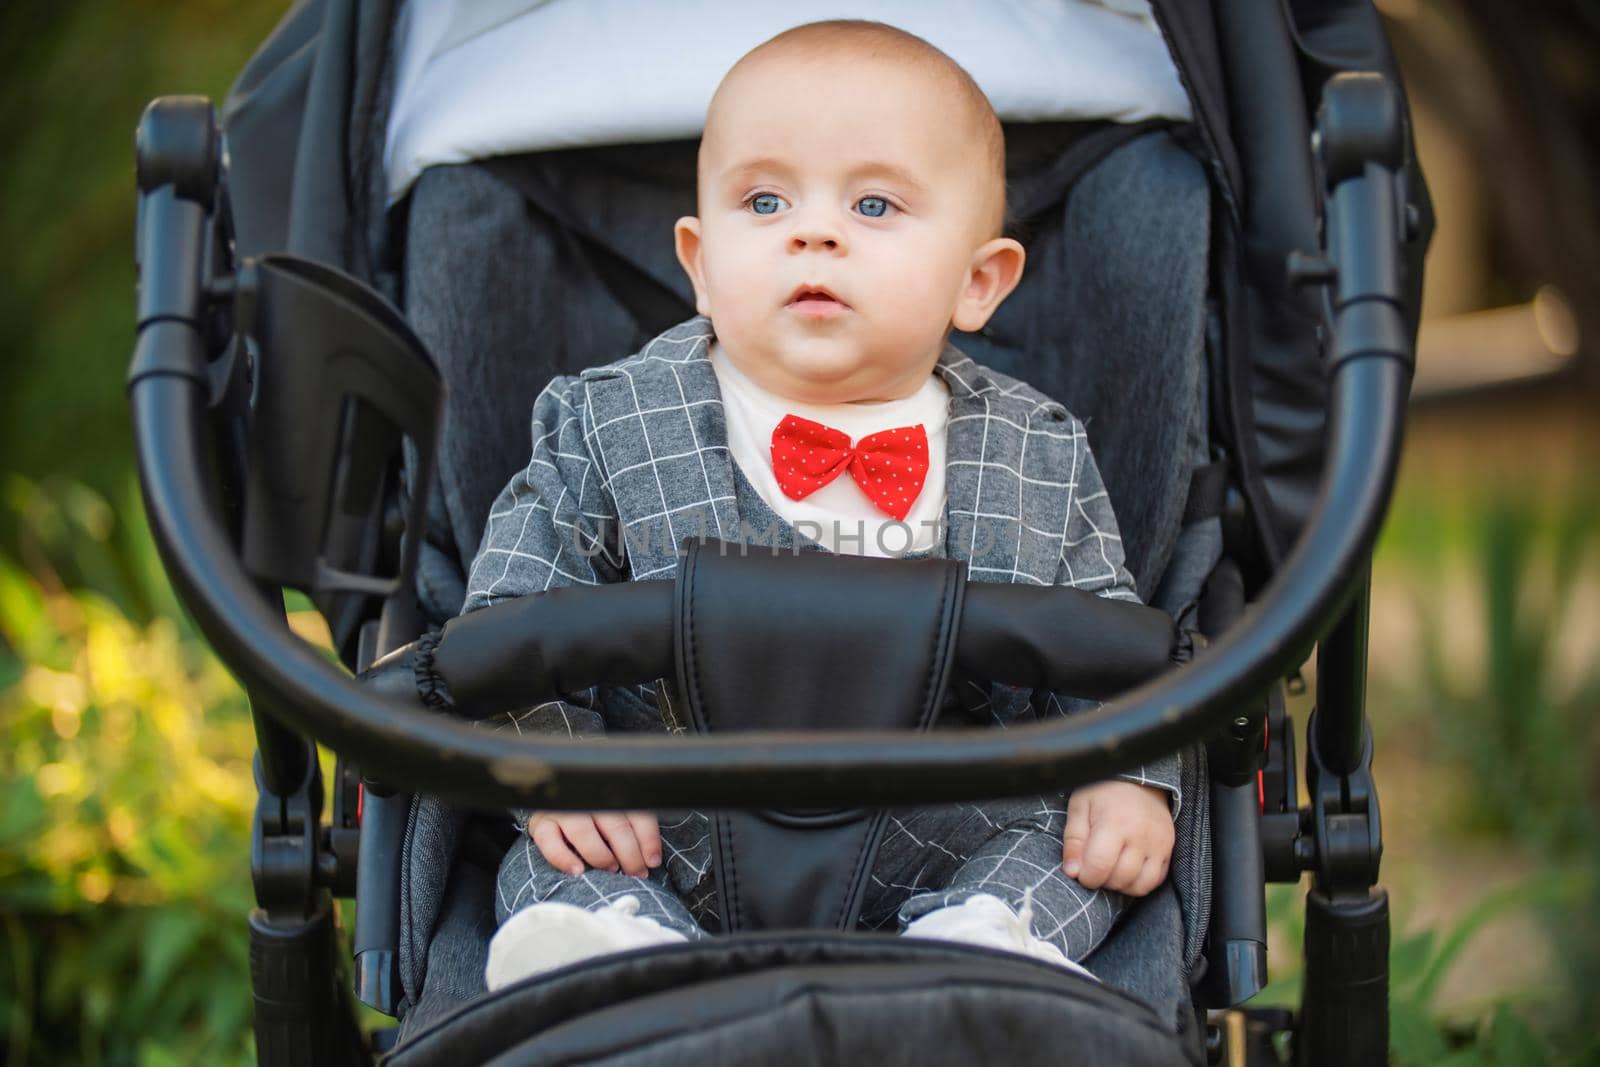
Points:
x=836, y=371
x=837, y=378
x=822, y=367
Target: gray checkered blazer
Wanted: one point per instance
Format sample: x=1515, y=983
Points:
x=631, y=458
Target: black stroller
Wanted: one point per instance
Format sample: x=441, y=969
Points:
x=295, y=430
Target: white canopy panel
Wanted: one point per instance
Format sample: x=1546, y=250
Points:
x=481, y=78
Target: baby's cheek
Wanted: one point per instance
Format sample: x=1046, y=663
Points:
x=737, y=330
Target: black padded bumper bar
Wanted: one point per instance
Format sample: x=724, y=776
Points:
x=562, y=641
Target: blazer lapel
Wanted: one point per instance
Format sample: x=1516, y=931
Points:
x=656, y=423
x=1011, y=454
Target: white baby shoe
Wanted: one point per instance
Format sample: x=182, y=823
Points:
x=989, y=921
x=543, y=937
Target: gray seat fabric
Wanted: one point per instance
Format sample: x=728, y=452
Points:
x=1109, y=319
x=803, y=998
x=1143, y=958
x=511, y=285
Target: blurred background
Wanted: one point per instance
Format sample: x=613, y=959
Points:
x=125, y=785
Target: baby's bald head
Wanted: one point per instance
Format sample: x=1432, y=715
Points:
x=852, y=194
x=820, y=45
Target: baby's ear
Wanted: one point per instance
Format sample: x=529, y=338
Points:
x=996, y=270
x=686, y=239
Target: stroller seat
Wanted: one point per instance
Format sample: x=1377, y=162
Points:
x=742, y=999
x=1108, y=319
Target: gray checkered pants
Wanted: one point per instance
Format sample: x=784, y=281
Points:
x=930, y=857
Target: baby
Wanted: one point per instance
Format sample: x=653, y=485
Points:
x=851, y=202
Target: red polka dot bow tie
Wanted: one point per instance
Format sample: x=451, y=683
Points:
x=889, y=466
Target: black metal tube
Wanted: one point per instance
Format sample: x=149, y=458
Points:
x=171, y=346
x=453, y=759
x=1340, y=721
x=284, y=753
x=1238, y=930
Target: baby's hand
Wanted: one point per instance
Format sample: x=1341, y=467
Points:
x=1119, y=836
x=607, y=840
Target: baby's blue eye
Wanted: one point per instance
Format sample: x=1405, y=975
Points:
x=873, y=207
x=766, y=204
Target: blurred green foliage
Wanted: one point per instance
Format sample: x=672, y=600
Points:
x=125, y=782
x=1522, y=724
x=77, y=76
x=125, y=793
x=1496, y=1033
x=1516, y=715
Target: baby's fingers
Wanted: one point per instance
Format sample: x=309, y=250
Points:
x=1100, y=857
x=648, y=833
x=1153, y=874
x=1125, y=875
x=618, y=832
x=552, y=846
x=584, y=836
x=1075, y=837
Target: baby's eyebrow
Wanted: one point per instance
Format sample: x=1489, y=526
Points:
x=752, y=168
x=896, y=175
x=771, y=166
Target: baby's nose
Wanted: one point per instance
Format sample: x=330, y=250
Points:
x=816, y=234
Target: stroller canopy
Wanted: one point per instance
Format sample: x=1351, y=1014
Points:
x=624, y=72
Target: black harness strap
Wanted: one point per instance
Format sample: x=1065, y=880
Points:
x=882, y=665
x=1208, y=492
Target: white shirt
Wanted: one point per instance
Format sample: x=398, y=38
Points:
x=839, y=516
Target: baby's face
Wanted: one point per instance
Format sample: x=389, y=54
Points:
x=846, y=219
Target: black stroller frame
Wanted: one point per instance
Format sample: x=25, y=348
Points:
x=271, y=398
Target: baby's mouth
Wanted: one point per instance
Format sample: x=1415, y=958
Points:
x=814, y=300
